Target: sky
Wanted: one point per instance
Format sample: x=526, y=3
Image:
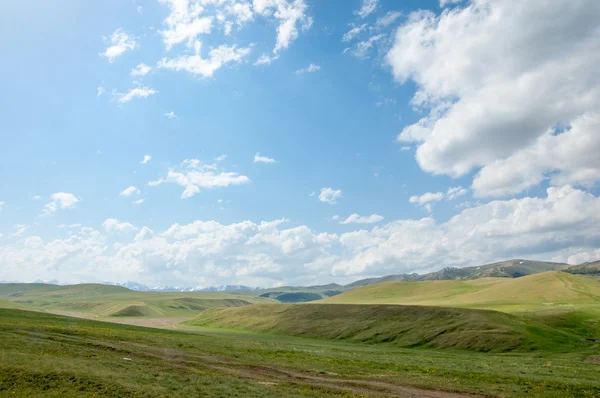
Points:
x=295, y=142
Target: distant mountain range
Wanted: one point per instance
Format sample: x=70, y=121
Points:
x=504, y=269
x=138, y=287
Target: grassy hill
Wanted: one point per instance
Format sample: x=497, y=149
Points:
x=404, y=326
x=585, y=269
x=503, y=269
x=537, y=291
x=115, y=301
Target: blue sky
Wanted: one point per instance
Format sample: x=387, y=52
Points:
x=428, y=122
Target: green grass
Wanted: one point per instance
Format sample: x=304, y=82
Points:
x=47, y=355
x=403, y=326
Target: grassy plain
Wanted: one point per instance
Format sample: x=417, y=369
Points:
x=47, y=355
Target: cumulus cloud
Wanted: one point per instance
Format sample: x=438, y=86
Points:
x=127, y=192
x=498, y=77
x=290, y=15
x=185, y=22
x=310, y=68
x=194, y=176
x=357, y=219
x=140, y=70
x=120, y=42
x=263, y=159
x=59, y=201
x=2, y=204
x=99, y=91
x=171, y=115
x=564, y=225
x=137, y=92
x=138, y=202
x=146, y=159
x=206, y=67
x=330, y=196
x=114, y=225
x=367, y=8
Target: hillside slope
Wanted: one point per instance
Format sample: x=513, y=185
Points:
x=405, y=326
x=544, y=290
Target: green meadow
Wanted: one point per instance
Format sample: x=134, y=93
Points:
x=533, y=336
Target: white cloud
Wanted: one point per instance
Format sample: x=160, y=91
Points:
x=140, y=9
x=59, y=200
x=138, y=92
x=185, y=23
x=265, y=59
x=75, y=225
x=206, y=67
x=289, y=14
x=146, y=159
x=362, y=48
x=354, y=32
x=570, y=157
x=37, y=197
x=120, y=42
x=497, y=87
x=221, y=158
x=33, y=242
x=405, y=148
x=357, y=219
x=564, y=225
x=367, y=8
x=425, y=199
x=309, y=69
x=99, y=91
x=444, y=3
x=263, y=159
x=141, y=70
x=171, y=115
x=330, y=196
x=389, y=18
x=114, y=225
x=138, y=202
x=19, y=230
x=2, y=204
x=194, y=176
x=127, y=192
x=455, y=192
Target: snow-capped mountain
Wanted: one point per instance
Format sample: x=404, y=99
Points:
x=143, y=288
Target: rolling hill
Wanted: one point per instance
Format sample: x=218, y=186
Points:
x=115, y=301
x=404, y=326
x=545, y=290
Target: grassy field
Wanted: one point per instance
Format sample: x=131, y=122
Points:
x=47, y=355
